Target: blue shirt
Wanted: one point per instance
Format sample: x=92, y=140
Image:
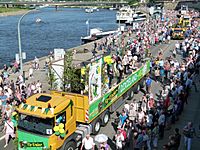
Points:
x=3, y=99
x=148, y=81
x=162, y=73
x=122, y=118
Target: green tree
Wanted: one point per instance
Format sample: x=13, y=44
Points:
x=52, y=79
x=72, y=79
x=132, y=2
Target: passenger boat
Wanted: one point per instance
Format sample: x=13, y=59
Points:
x=137, y=17
x=124, y=14
x=95, y=34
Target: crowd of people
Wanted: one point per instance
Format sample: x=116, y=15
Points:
x=147, y=118
x=135, y=44
x=13, y=93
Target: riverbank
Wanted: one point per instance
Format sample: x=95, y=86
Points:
x=11, y=11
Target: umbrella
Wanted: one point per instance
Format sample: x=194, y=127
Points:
x=100, y=138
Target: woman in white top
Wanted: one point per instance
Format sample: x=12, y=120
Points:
x=119, y=139
x=9, y=131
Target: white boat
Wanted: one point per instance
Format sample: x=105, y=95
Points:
x=156, y=9
x=141, y=17
x=112, y=8
x=95, y=9
x=89, y=10
x=124, y=14
x=38, y=20
x=137, y=17
x=43, y=6
x=97, y=33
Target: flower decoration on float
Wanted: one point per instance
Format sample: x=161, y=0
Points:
x=59, y=130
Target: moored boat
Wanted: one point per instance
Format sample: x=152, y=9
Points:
x=95, y=34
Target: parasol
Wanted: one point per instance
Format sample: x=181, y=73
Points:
x=100, y=138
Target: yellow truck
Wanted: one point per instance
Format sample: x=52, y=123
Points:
x=178, y=33
x=60, y=120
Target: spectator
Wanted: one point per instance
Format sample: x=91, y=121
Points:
x=161, y=123
x=148, y=84
x=177, y=138
x=189, y=133
x=123, y=117
x=9, y=131
x=119, y=138
x=155, y=134
x=88, y=143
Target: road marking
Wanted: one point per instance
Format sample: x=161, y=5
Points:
x=1, y=138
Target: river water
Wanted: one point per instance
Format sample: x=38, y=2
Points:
x=58, y=29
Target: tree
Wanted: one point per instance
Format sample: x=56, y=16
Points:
x=132, y=2
x=72, y=79
x=52, y=79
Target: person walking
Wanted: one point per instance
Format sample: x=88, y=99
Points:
x=119, y=138
x=157, y=74
x=161, y=123
x=9, y=131
x=189, y=133
x=31, y=72
x=155, y=133
x=88, y=143
x=148, y=84
x=177, y=138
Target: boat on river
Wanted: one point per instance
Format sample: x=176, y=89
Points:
x=89, y=10
x=124, y=14
x=137, y=17
x=95, y=34
x=38, y=20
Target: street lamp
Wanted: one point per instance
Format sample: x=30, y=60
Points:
x=119, y=40
x=19, y=40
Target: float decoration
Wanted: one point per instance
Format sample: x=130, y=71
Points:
x=59, y=130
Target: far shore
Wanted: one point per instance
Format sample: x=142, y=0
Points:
x=20, y=12
x=13, y=13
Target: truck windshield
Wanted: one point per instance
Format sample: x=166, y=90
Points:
x=35, y=124
x=178, y=31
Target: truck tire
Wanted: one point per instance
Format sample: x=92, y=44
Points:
x=142, y=83
x=96, y=126
x=137, y=89
x=105, y=118
x=130, y=94
x=70, y=146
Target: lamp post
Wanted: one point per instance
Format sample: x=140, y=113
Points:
x=119, y=40
x=19, y=39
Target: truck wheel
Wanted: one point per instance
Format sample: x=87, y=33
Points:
x=70, y=146
x=142, y=84
x=105, y=118
x=131, y=94
x=96, y=127
x=137, y=90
